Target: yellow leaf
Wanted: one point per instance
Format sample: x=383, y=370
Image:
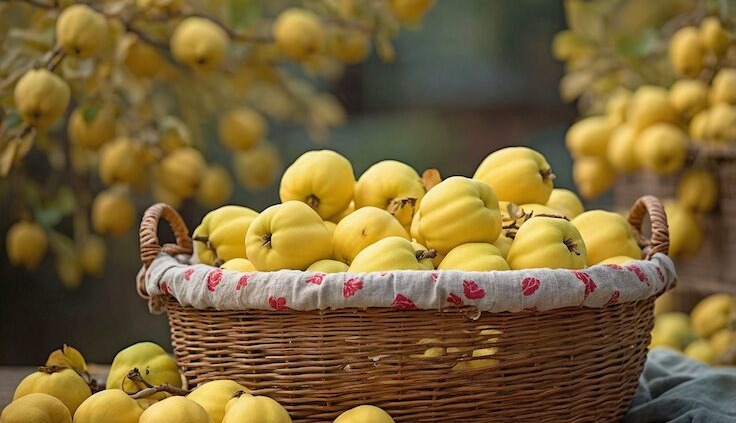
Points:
x=7, y=157
x=57, y=359
x=24, y=145
x=75, y=358
x=430, y=178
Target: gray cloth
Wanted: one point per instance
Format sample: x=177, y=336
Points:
x=675, y=389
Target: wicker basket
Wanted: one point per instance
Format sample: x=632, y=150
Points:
x=571, y=364
x=713, y=268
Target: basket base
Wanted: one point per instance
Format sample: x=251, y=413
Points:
x=575, y=364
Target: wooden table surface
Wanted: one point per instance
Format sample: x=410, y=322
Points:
x=11, y=376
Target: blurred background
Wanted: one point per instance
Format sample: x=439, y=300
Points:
x=477, y=76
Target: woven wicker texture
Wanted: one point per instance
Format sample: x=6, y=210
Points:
x=572, y=364
x=565, y=365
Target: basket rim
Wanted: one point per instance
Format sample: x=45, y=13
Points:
x=207, y=287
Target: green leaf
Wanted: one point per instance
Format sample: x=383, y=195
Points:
x=11, y=119
x=65, y=201
x=89, y=113
x=244, y=12
x=636, y=45
x=48, y=217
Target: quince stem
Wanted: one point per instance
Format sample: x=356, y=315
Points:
x=399, y=203
x=572, y=246
x=548, y=175
x=135, y=376
x=238, y=394
x=173, y=390
x=51, y=369
x=313, y=201
x=206, y=240
x=428, y=254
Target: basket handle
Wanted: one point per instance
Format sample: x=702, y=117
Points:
x=150, y=247
x=660, y=238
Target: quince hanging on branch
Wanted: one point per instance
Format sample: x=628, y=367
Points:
x=111, y=99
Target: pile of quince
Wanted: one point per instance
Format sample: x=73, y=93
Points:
x=707, y=334
x=665, y=129
x=508, y=216
x=144, y=386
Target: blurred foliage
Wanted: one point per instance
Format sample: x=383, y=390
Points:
x=622, y=43
x=106, y=106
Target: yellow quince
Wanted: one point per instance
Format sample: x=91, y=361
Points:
x=26, y=244
x=547, y=242
x=457, y=211
x=364, y=414
x=36, y=408
x=239, y=265
x=503, y=243
x=662, y=148
x=723, y=87
x=606, y=234
x=154, y=364
x=410, y=11
x=258, y=167
x=689, y=96
x=620, y=260
x=622, y=149
x=122, y=161
x=362, y=228
x=113, y=212
x=474, y=257
x=41, y=97
x=323, y=179
x=517, y=174
x=215, y=187
x=175, y=409
x=338, y=217
x=649, y=104
x=81, y=31
x=593, y=176
x=242, y=129
x=290, y=235
x=589, y=136
x=328, y=266
x=698, y=190
x=393, y=186
x=712, y=314
x=110, y=406
x=686, y=52
x=671, y=330
x=90, y=127
x=713, y=36
x=616, y=106
x=701, y=350
x=686, y=234
x=214, y=396
x=392, y=253
x=199, y=43
x=142, y=60
x=299, y=33
x=62, y=383
x=565, y=202
x=180, y=172
x=349, y=45
x=722, y=341
x=255, y=409
x=221, y=235
x=92, y=255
